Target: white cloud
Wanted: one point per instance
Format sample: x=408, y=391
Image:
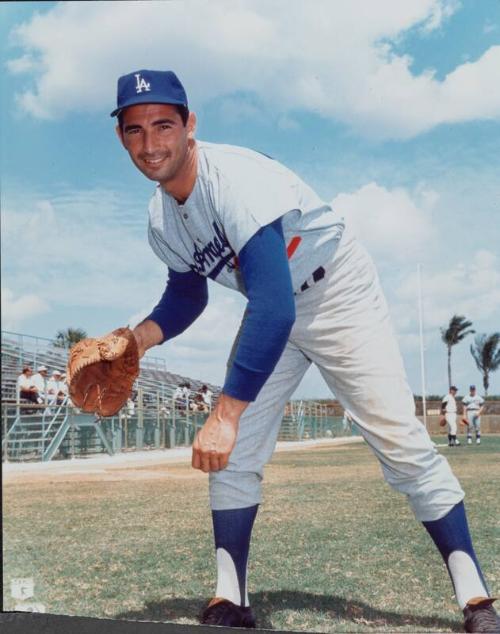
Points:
x=24, y=64
x=87, y=249
x=212, y=332
x=327, y=60
x=237, y=109
x=438, y=14
x=471, y=289
x=286, y=122
x=80, y=248
x=218, y=324
x=389, y=222
x=489, y=27
x=18, y=309
x=202, y=351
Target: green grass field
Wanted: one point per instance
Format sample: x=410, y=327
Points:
x=335, y=549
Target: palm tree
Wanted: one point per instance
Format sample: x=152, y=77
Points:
x=486, y=353
x=70, y=336
x=453, y=334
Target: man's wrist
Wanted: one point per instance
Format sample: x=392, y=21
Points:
x=230, y=408
x=147, y=334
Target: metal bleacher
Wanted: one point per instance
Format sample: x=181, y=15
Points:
x=19, y=350
x=43, y=432
x=31, y=431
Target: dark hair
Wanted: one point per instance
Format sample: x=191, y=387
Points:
x=182, y=110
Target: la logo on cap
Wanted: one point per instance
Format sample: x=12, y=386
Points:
x=141, y=84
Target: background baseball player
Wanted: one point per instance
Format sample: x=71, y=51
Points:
x=472, y=410
x=247, y=222
x=449, y=409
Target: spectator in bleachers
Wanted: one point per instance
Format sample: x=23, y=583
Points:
x=207, y=396
x=64, y=384
x=39, y=380
x=56, y=389
x=165, y=411
x=177, y=397
x=181, y=396
x=24, y=386
x=198, y=404
x=130, y=408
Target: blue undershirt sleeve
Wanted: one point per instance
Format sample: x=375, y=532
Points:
x=270, y=312
x=184, y=299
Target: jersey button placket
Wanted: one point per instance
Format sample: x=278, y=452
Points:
x=186, y=216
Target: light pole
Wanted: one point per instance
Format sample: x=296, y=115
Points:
x=421, y=333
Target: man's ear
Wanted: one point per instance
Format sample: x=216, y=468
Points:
x=119, y=134
x=191, y=125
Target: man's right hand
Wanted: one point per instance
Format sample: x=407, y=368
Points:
x=216, y=439
x=214, y=443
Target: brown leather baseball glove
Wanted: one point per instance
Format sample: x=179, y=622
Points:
x=442, y=420
x=101, y=372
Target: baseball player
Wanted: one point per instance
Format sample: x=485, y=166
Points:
x=245, y=221
x=472, y=410
x=347, y=422
x=449, y=409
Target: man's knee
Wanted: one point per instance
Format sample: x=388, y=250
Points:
x=431, y=487
x=230, y=489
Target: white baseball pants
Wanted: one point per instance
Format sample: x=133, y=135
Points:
x=343, y=326
x=451, y=419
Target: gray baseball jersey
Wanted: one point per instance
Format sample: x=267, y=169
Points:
x=238, y=191
x=473, y=403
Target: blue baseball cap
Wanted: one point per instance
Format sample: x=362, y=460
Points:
x=149, y=86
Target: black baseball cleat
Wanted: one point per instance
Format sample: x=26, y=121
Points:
x=225, y=612
x=481, y=616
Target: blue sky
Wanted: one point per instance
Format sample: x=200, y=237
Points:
x=390, y=110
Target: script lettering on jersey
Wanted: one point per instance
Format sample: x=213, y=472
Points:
x=216, y=254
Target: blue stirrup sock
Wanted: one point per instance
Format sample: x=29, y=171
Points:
x=452, y=538
x=232, y=532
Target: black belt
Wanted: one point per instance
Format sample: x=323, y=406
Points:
x=317, y=275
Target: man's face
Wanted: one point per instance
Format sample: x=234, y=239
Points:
x=156, y=139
